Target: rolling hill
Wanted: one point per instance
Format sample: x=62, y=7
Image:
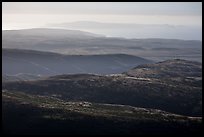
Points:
x=164, y=85
x=38, y=63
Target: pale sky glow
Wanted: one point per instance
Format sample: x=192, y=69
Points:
x=36, y=14
x=156, y=8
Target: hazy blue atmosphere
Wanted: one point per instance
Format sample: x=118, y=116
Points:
x=115, y=68
x=181, y=20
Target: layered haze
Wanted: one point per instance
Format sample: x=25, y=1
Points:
x=96, y=68
x=148, y=20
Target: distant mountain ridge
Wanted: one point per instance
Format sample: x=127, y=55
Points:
x=50, y=32
x=72, y=42
x=133, y=30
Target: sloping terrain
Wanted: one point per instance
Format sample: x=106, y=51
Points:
x=33, y=114
x=176, y=72
x=29, y=62
x=178, y=91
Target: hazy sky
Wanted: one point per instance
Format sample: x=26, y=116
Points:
x=35, y=14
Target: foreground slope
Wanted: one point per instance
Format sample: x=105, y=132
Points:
x=174, y=86
x=33, y=114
